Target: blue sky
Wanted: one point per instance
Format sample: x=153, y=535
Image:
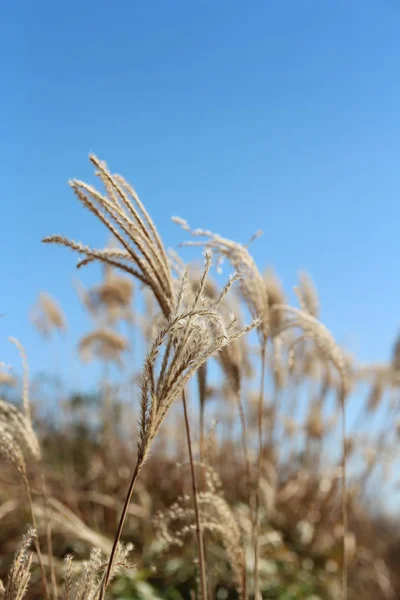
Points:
x=279, y=115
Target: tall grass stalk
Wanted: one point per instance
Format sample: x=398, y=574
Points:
x=260, y=420
x=199, y=533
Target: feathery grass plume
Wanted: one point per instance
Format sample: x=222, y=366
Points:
x=218, y=519
x=177, y=264
x=234, y=361
x=254, y=289
x=188, y=339
x=275, y=295
x=121, y=211
x=110, y=301
x=20, y=571
x=307, y=294
x=11, y=451
x=47, y=315
x=68, y=582
x=27, y=437
x=396, y=356
x=235, y=364
x=19, y=428
x=375, y=395
x=17, y=442
x=86, y=585
x=252, y=284
x=25, y=382
x=20, y=441
x=294, y=318
x=142, y=254
x=314, y=425
x=105, y=344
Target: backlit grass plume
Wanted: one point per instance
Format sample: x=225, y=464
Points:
x=86, y=585
x=252, y=283
x=47, y=315
x=180, y=347
x=20, y=571
x=121, y=211
x=314, y=330
x=255, y=292
x=188, y=339
x=105, y=344
x=194, y=337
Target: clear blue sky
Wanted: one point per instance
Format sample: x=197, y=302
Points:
x=273, y=114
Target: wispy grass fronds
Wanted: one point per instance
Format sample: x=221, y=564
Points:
x=252, y=284
x=86, y=586
x=254, y=289
x=121, y=211
x=25, y=382
x=181, y=346
x=177, y=523
x=105, y=344
x=312, y=329
x=20, y=571
x=307, y=295
x=47, y=315
x=110, y=301
x=191, y=337
x=17, y=427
